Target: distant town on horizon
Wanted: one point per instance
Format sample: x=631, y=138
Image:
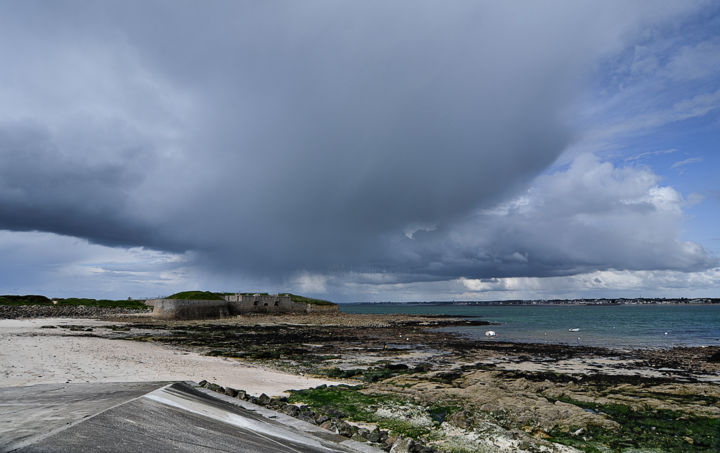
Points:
x=600, y=301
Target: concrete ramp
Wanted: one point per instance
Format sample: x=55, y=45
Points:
x=158, y=417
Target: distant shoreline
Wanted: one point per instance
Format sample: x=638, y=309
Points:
x=555, y=302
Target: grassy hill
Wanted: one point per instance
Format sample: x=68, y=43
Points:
x=209, y=295
x=42, y=300
x=309, y=300
x=197, y=295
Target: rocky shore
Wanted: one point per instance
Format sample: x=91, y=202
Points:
x=428, y=390
x=453, y=394
x=328, y=418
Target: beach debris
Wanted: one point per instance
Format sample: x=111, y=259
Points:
x=489, y=333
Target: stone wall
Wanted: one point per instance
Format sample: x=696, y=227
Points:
x=264, y=303
x=261, y=303
x=189, y=309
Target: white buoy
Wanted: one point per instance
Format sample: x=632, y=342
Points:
x=574, y=329
x=489, y=333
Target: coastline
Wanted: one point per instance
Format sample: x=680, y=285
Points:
x=447, y=391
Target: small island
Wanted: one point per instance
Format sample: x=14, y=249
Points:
x=205, y=305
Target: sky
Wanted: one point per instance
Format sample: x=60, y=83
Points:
x=360, y=151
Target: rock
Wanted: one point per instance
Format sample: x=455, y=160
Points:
x=396, y=366
x=423, y=367
x=715, y=358
x=320, y=419
x=360, y=435
x=215, y=388
x=292, y=410
x=345, y=429
x=241, y=395
x=229, y=391
x=378, y=436
x=384, y=435
x=263, y=400
x=327, y=424
x=63, y=311
x=402, y=445
x=203, y=383
x=306, y=419
x=459, y=419
x=416, y=447
x=374, y=436
x=388, y=443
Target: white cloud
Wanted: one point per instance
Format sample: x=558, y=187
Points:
x=697, y=61
x=605, y=283
x=688, y=161
x=593, y=215
x=311, y=283
x=63, y=266
x=647, y=154
x=413, y=228
x=619, y=125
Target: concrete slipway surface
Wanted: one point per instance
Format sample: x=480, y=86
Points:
x=151, y=417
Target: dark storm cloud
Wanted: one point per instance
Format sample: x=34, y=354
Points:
x=43, y=189
x=278, y=137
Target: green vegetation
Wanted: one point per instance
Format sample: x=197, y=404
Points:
x=24, y=300
x=643, y=428
x=197, y=295
x=308, y=300
x=350, y=402
x=371, y=374
x=72, y=301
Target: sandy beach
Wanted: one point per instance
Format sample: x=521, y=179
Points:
x=31, y=354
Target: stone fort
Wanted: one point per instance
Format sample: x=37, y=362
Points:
x=233, y=305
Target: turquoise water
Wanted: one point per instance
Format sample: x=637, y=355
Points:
x=614, y=326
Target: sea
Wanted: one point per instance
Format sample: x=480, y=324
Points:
x=611, y=326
